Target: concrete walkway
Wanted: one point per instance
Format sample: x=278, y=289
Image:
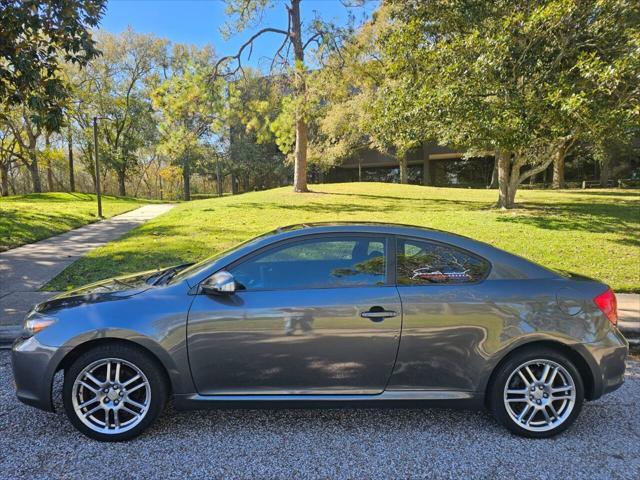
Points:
x=629, y=313
x=25, y=269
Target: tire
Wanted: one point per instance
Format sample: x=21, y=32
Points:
x=114, y=392
x=551, y=405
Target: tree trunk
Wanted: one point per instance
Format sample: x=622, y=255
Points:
x=186, y=180
x=234, y=184
x=33, y=170
x=605, y=170
x=503, y=159
x=558, y=167
x=4, y=179
x=72, y=179
x=218, y=179
x=494, y=174
x=404, y=174
x=49, y=170
x=122, y=188
x=300, y=153
x=300, y=165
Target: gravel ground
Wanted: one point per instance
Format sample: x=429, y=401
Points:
x=306, y=443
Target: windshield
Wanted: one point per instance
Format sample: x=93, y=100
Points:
x=196, y=267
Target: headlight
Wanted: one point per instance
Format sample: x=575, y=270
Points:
x=36, y=322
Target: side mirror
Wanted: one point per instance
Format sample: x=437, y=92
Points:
x=221, y=283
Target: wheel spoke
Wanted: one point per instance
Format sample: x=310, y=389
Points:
x=524, y=379
x=94, y=409
x=87, y=386
x=546, y=414
x=517, y=391
x=140, y=385
x=135, y=404
x=553, y=376
x=545, y=373
x=117, y=375
x=127, y=409
x=89, y=402
x=516, y=400
x=108, y=372
x=93, y=379
x=533, y=377
x=131, y=380
x=564, y=388
x=553, y=410
x=116, y=419
x=524, y=412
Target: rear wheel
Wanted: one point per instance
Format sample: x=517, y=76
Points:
x=537, y=393
x=114, y=392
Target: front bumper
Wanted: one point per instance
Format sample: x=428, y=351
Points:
x=34, y=366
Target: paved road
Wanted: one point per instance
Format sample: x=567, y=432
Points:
x=361, y=443
x=25, y=269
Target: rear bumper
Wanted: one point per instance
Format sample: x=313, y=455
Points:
x=606, y=359
x=34, y=366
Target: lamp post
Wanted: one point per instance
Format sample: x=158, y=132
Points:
x=97, y=166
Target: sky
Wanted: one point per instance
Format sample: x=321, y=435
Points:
x=198, y=22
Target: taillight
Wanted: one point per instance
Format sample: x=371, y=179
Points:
x=608, y=304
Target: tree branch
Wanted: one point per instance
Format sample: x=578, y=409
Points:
x=237, y=56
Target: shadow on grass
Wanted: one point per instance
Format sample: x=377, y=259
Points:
x=633, y=194
x=19, y=227
x=52, y=197
x=580, y=216
x=398, y=205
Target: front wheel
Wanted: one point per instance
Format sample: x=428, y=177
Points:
x=113, y=392
x=537, y=393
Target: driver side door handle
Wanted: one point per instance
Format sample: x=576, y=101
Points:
x=378, y=314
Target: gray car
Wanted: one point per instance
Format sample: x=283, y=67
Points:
x=328, y=314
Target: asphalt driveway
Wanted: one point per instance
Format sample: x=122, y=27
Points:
x=305, y=443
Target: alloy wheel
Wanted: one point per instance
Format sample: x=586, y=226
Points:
x=111, y=396
x=540, y=395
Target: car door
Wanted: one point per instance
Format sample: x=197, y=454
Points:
x=450, y=321
x=313, y=315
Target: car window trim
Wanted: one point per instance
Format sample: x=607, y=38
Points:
x=388, y=240
x=444, y=244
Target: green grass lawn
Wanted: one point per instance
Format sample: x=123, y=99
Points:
x=29, y=218
x=593, y=232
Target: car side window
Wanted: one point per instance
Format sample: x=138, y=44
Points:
x=328, y=262
x=426, y=263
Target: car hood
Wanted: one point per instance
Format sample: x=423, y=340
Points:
x=104, y=290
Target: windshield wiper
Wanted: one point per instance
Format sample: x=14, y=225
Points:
x=164, y=276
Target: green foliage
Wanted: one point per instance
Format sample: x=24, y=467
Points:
x=115, y=87
x=511, y=76
x=35, y=38
x=190, y=105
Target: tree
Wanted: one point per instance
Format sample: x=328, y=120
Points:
x=259, y=123
x=116, y=87
x=517, y=78
x=343, y=94
x=25, y=132
x=8, y=145
x=189, y=104
x=320, y=35
x=35, y=37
